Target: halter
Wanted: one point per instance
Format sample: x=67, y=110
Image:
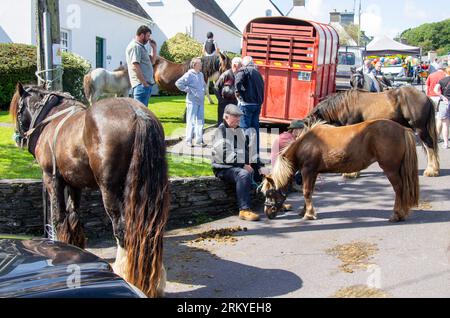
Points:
x=275, y=204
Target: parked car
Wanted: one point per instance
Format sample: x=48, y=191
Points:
x=41, y=268
x=348, y=57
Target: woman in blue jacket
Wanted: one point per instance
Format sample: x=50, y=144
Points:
x=193, y=83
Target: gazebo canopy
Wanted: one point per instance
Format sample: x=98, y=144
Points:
x=386, y=46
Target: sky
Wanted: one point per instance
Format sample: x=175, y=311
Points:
x=383, y=17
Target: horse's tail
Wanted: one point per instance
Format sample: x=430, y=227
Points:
x=409, y=174
x=88, y=85
x=71, y=230
x=146, y=206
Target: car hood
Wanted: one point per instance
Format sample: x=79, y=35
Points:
x=43, y=268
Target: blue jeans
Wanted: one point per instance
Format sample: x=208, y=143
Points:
x=195, y=120
x=250, y=119
x=142, y=94
x=243, y=181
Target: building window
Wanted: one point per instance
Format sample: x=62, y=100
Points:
x=268, y=13
x=65, y=41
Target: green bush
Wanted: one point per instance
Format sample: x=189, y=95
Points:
x=18, y=63
x=75, y=67
x=180, y=48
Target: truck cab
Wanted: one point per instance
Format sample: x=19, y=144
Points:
x=348, y=57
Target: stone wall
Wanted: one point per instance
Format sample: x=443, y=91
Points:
x=193, y=200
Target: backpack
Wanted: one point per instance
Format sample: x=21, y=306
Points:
x=210, y=47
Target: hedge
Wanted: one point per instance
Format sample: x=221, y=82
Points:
x=18, y=63
x=180, y=48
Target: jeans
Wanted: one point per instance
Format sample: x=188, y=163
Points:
x=243, y=180
x=250, y=119
x=195, y=120
x=142, y=94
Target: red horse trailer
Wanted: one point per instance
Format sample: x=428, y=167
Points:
x=297, y=60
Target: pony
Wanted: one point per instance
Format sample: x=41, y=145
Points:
x=100, y=81
x=405, y=105
x=368, y=82
x=323, y=148
x=116, y=145
x=167, y=72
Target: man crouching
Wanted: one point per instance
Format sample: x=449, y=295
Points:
x=231, y=159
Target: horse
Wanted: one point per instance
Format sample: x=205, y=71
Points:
x=167, y=72
x=323, y=148
x=405, y=105
x=116, y=145
x=100, y=81
x=369, y=82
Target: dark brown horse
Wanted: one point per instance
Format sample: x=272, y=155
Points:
x=117, y=145
x=405, y=105
x=167, y=72
x=325, y=148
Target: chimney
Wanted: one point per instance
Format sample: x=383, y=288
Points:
x=299, y=3
x=335, y=16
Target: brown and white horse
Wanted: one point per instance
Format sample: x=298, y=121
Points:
x=100, y=82
x=117, y=146
x=324, y=149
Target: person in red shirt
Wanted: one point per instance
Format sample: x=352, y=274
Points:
x=284, y=140
x=443, y=89
x=431, y=83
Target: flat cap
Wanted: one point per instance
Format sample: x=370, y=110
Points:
x=232, y=109
x=297, y=124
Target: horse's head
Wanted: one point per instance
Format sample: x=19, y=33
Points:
x=225, y=62
x=274, y=198
x=357, y=79
x=24, y=106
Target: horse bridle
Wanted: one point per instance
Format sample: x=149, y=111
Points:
x=38, y=118
x=272, y=203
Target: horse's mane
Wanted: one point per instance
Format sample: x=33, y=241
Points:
x=14, y=105
x=121, y=68
x=284, y=167
x=334, y=106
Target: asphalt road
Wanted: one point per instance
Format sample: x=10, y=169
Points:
x=290, y=257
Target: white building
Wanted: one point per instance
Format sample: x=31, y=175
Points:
x=194, y=17
x=98, y=30
x=241, y=12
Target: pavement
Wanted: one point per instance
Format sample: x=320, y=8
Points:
x=351, y=250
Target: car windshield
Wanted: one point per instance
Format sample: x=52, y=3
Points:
x=347, y=58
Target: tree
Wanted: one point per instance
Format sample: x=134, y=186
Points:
x=430, y=36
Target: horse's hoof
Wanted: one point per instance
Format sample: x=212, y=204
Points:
x=310, y=217
x=353, y=175
x=396, y=218
x=431, y=173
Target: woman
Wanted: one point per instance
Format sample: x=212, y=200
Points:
x=224, y=88
x=193, y=83
x=443, y=90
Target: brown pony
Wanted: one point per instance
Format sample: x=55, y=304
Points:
x=167, y=72
x=117, y=145
x=324, y=149
x=405, y=105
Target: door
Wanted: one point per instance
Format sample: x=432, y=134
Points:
x=99, y=52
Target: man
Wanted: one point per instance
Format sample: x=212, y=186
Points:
x=140, y=65
x=442, y=89
x=250, y=94
x=431, y=83
x=230, y=159
x=366, y=68
x=224, y=88
x=210, y=46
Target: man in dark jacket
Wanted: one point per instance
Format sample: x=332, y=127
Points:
x=230, y=159
x=250, y=94
x=225, y=88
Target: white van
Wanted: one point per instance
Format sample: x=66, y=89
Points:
x=348, y=57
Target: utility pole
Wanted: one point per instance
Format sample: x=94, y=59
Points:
x=48, y=44
x=359, y=24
